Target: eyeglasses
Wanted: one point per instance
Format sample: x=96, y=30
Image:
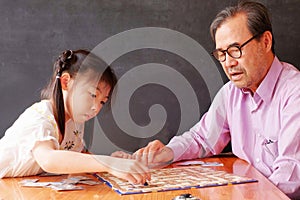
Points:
x=234, y=51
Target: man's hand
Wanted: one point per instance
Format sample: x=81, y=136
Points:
x=154, y=155
x=121, y=154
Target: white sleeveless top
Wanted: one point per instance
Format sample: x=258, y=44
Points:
x=35, y=124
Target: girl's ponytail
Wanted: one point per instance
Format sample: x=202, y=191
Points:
x=62, y=64
x=58, y=106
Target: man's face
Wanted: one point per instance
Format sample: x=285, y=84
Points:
x=249, y=70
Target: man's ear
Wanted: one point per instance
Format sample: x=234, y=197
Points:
x=268, y=40
x=64, y=80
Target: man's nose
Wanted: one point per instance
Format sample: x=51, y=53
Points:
x=229, y=61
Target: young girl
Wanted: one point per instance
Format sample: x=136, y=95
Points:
x=48, y=136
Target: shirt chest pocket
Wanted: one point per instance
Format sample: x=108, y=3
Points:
x=270, y=150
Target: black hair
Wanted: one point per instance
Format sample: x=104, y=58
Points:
x=72, y=62
x=258, y=19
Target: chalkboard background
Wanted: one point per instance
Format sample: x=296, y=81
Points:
x=34, y=32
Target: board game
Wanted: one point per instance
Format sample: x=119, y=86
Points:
x=179, y=178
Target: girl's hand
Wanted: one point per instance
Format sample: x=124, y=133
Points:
x=131, y=170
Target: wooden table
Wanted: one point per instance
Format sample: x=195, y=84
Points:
x=263, y=189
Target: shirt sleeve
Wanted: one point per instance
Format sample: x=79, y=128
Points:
x=36, y=125
x=44, y=133
x=286, y=167
x=209, y=136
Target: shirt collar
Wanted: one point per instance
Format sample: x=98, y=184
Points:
x=267, y=86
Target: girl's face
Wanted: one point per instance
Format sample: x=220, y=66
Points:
x=85, y=98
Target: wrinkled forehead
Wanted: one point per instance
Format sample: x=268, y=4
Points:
x=233, y=30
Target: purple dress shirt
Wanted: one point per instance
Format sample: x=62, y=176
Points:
x=264, y=129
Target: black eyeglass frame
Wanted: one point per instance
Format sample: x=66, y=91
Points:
x=239, y=47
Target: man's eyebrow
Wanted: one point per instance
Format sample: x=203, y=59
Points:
x=234, y=44
x=231, y=45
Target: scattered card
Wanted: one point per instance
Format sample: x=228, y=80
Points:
x=212, y=164
x=198, y=162
x=49, y=174
x=70, y=181
x=63, y=185
x=190, y=162
x=79, y=178
x=66, y=187
x=36, y=184
x=25, y=181
x=89, y=182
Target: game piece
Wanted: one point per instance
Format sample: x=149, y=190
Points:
x=146, y=184
x=185, y=197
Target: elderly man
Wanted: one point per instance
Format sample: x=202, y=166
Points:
x=258, y=109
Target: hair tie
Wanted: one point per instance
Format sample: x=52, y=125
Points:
x=68, y=54
x=64, y=62
x=58, y=75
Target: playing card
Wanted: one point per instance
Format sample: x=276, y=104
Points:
x=191, y=162
x=197, y=162
x=49, y=174
x=88, y=182
x=65, y=187
x=70, y=181
x=28, y=181
x=36, y=184
x=79, y=178
x=212, y=164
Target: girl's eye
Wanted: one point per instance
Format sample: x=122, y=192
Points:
x=102, y=102
x=93, y=95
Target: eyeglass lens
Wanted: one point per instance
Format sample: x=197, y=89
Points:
x=233, y=51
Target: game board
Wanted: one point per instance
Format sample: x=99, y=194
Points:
x=175, y=179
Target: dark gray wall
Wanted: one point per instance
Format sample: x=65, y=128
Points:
x=34, y=32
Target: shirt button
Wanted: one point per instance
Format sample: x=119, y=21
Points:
x=257, y=160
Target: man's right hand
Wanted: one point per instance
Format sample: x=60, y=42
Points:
x=154, y=155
